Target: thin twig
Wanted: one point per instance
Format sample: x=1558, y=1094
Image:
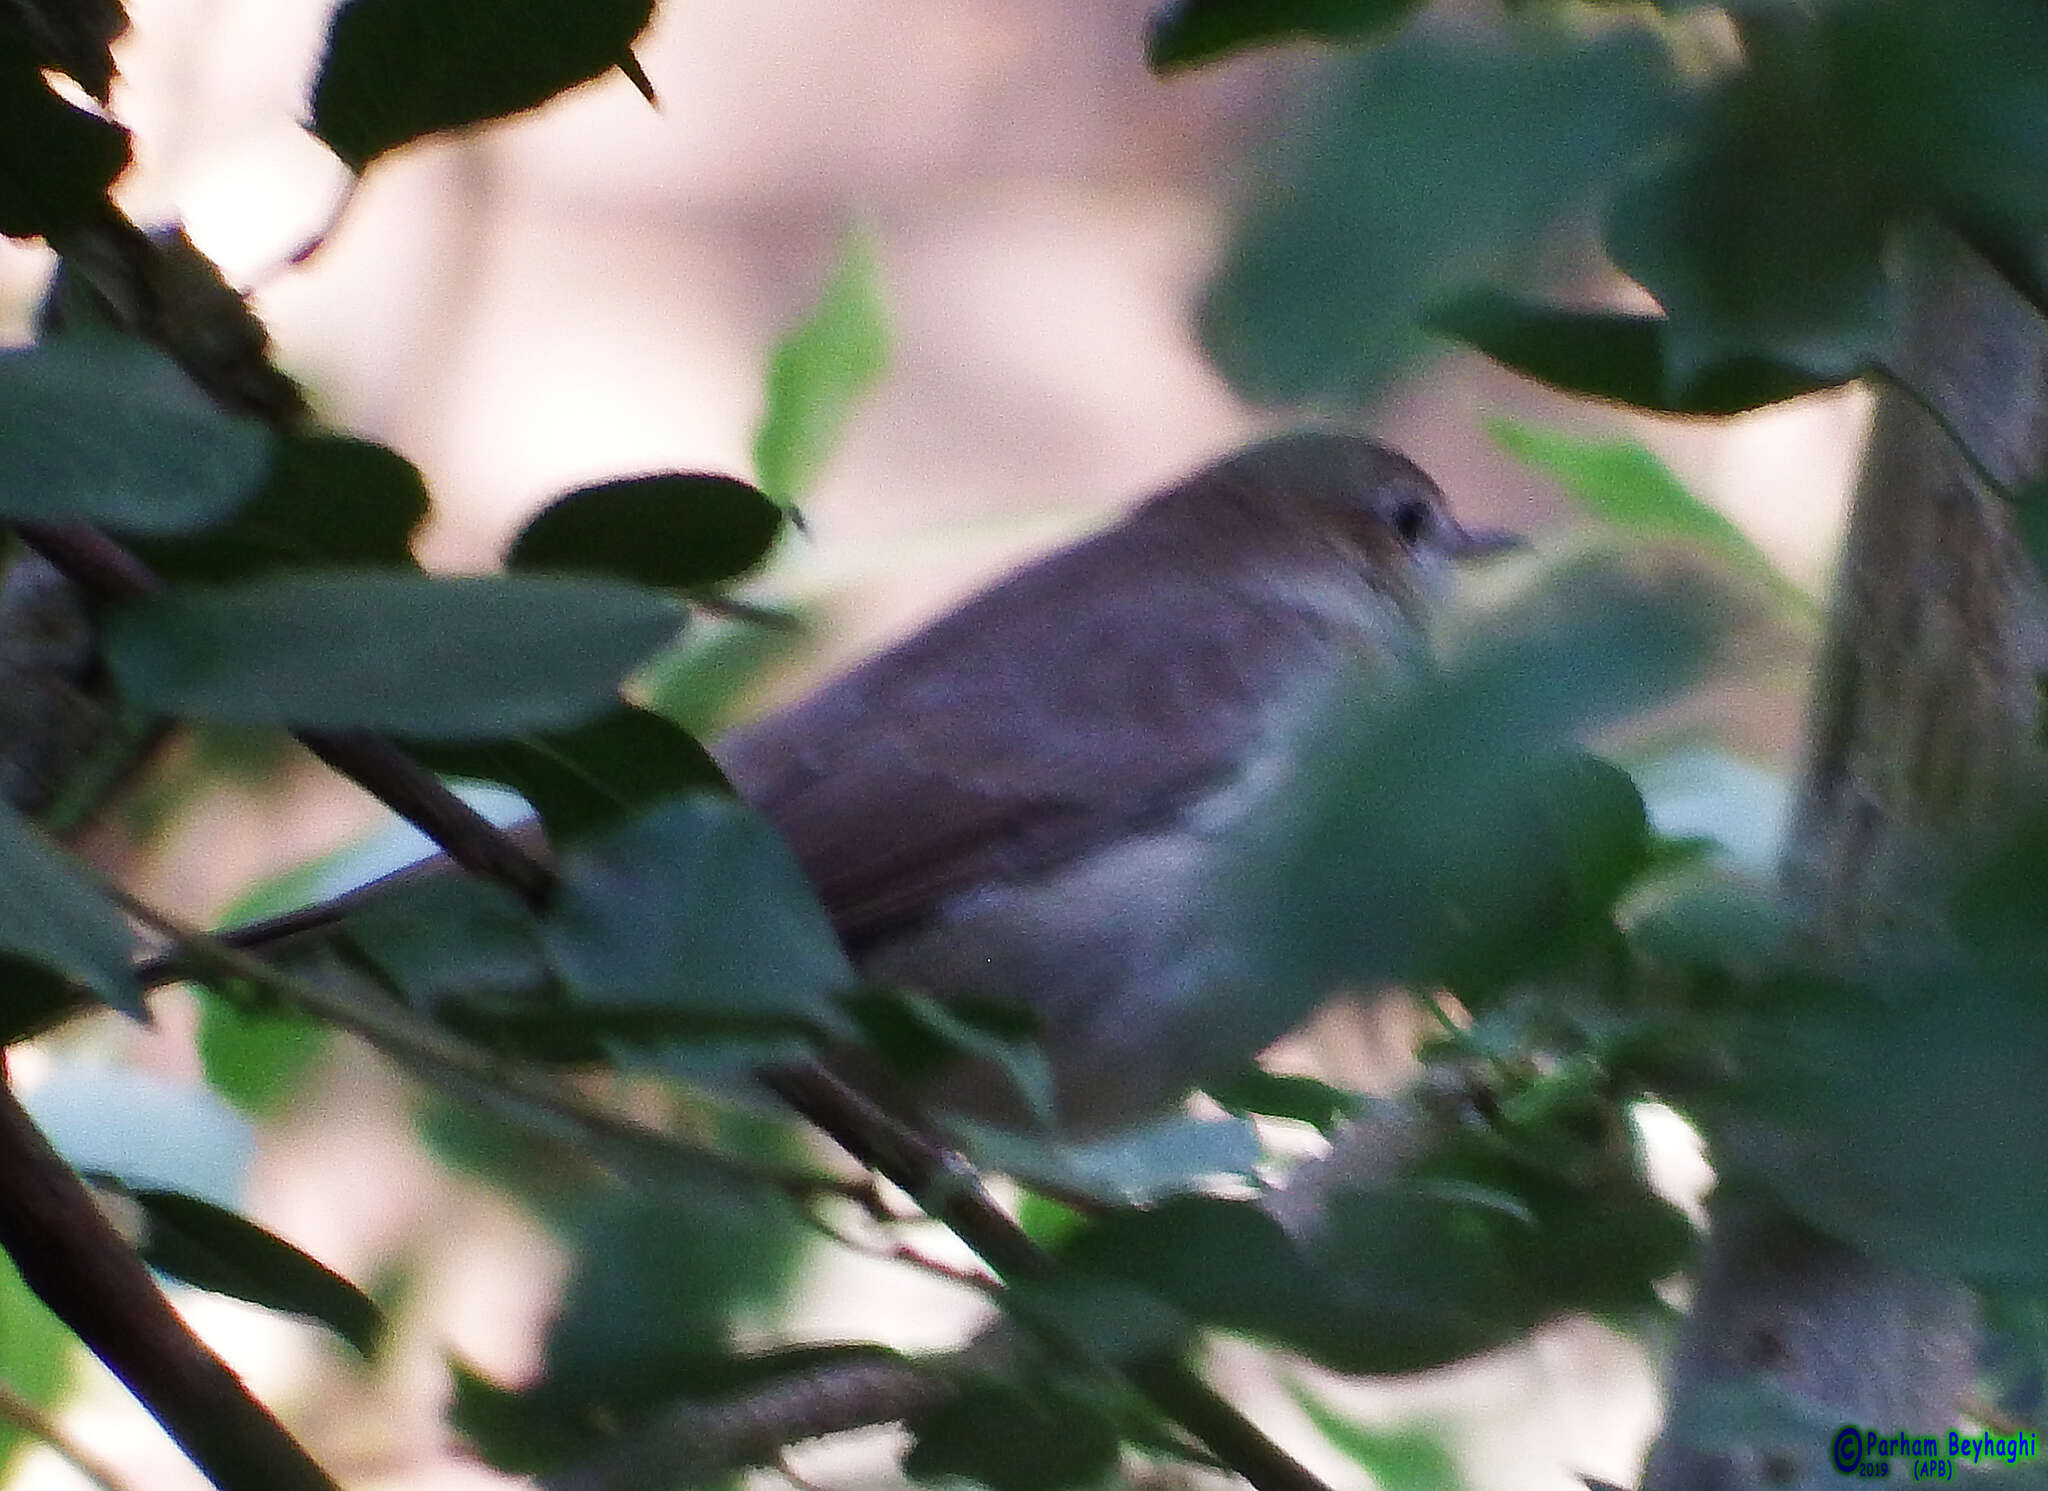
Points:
x=431, y=1050
x=30, y=1419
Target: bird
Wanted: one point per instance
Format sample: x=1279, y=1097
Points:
x=1024, y=803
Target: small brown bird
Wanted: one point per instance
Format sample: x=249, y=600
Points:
x=1023, y=802
x=1027, y=801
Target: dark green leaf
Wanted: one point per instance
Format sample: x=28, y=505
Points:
x=585, y=779
x=108, y=431
x=1184, y=33
x=53, y=916
x=1012, y=1439
x=676, y=531
x=1606, y=355
x=32, y=998
x=56, y=161
x=255, y=1058
x=212, y=1248
x=819, y=372
x=330, y=500
x=452, y=939
x=1762, y=240
x=1388, y=197
x=395, y=70
x=1947, y=100
x=1303, y=1099
x=695, y=905
x=74, y=37
x=461, y=658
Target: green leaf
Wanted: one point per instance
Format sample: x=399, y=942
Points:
x=330, y=500
x=1604, y=355
x=452, y=939
x=1947, y=101
x=1762, y=240
x=1186, y=33
x=1623, y=482
x=463, y=658
x=587, y=778
x=109, y=431
x=1413, y=1459
x=696, y=905
x=57, y=162
x=1273, y=1095
x=212, y=1248
x=38, y=1359
x=1385, y=198
x=823, y=368
x=1012, y=1439
x=675, y=531
x=1129, y=1167
x=1443, y=838
x=395, y=70
x=1843, y=1095
x=53, y=916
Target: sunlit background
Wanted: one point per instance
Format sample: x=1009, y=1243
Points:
x=594, y=291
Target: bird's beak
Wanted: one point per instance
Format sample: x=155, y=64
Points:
x=1478, y=543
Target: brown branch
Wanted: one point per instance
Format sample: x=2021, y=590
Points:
x=91, y=1279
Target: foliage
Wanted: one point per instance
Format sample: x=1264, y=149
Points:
x=1459, y=841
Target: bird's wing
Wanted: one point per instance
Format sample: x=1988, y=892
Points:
x=1046, y=730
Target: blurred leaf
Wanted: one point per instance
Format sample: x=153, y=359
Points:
x=674, y=531
x=53, y=916
x=1303, y=1099
x=700, y=682
x=1399, y=1277
x=820, y=370
x=1762, y=240
x=1624, y=483
x=57, y=162
x=395, y=70
x=1457, y=837
x=695, y=905
x=108, y=431
x=1608, y=355
x=466, y=658
x=38, y=1358
x=1185, y=33
x=254, y=1058
x=659, y=1277
x=1948, y=100
x=1844, y=1095
x=1397, y=1459
x=587, y=778
x=1012, y=1439
x=212, y=1248
x=330, y=499
x=1387, y=197
x=454, y=938
x=1129, y=1167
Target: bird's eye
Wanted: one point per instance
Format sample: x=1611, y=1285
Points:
x=1410, y=520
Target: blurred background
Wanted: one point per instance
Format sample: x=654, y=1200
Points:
x=594, y=290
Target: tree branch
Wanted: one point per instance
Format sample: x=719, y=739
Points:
x=1923, y=729
x=91, y=1279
